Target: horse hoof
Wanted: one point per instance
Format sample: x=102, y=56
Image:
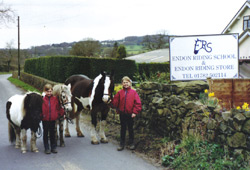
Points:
x=23, y=151
x=104, y=141
x=67, y=135
x=80, y=135
x=94, y=142
x=35, y=150
x=17, y=146
x=62, y=145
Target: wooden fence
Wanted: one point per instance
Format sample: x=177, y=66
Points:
x=230, y=92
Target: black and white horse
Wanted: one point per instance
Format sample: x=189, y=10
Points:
x=24, y=112
x=64, y=95
x=94, y=95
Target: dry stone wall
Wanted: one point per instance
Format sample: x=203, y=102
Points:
x=173, y=109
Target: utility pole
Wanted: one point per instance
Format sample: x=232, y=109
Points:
x=18, y=48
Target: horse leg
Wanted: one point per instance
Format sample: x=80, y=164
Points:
x=102, y=133
x=78, y=130
x=103, y=124
x=66, y=133
x=33, y=142
x=24, y=141
x=62, y=144
x=18, y=139
x=93, y=133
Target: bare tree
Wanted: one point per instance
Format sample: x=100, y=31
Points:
x=9, y=53
x=157, y=41
x=7, y=14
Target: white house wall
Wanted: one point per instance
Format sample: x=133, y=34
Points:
x=244, y=46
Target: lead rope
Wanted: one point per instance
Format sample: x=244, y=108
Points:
x=39, y=131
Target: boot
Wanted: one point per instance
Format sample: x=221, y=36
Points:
x=121, y=147
x=132, y=146
x=53, y=148
x=47, y=151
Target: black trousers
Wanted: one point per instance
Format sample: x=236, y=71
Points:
x=49, y=133
x=126, y=121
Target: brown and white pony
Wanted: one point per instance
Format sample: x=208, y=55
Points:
x=24, y=112
x=94, y=95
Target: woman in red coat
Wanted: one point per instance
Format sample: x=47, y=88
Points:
x=128, y=105
x=52, y=110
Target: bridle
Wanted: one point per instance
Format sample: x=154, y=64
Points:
x=64, y=102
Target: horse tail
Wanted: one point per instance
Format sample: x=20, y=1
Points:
x=12, y=134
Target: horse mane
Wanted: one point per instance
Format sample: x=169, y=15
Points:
x=56, y=90
x=35, y=97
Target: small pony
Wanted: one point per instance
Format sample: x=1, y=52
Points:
x=24, y=112
x=64, y=96
x=94, y=95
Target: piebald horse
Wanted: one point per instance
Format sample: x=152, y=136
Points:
x=94, y=95
x=24, y=112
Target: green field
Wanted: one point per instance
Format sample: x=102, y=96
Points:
x=134, y=49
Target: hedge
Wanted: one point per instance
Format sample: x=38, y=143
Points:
x=146, y=69
x=59, y=68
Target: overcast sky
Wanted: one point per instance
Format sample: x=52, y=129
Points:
x=55, y=21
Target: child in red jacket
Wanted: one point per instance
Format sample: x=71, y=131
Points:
x=51, y=112
x=128, y=105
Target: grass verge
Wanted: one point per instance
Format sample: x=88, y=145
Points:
x=23, y=85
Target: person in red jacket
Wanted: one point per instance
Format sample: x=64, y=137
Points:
x=128, y=104
x=51, y=111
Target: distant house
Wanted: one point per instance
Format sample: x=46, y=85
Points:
x=156, y=56
x=240, y=24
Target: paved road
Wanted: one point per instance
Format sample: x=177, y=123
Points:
x=79, y=153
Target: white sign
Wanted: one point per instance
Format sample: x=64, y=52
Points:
x=200, y=57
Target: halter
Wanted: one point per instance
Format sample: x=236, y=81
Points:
x=62, y=101
x=69, y=120
x=109, y=99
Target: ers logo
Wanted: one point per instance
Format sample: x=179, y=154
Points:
x=202, y=44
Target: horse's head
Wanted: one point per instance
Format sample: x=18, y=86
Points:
x=108, y=87
x=104, y=87
x=65, y=97
x=197, y=46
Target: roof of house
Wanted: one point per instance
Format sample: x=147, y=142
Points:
x=237, y=15
x=244, y=34
x=157, y=56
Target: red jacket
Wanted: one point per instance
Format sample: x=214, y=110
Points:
x=127, y=101
x=51, y=108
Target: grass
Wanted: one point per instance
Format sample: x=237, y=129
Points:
x=134, y=49
x=5, y=73
x=23, y=85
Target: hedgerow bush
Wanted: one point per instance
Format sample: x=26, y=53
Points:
x=59, y=68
